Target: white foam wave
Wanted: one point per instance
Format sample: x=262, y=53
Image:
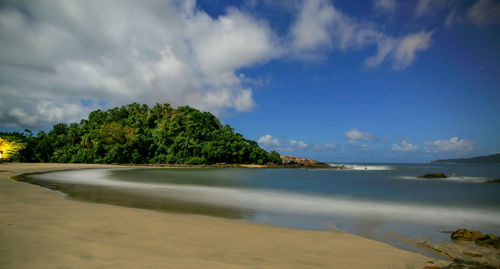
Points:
x=285, y=202
x=452, y=178
x=363, y=167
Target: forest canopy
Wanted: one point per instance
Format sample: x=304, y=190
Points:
x=138, y=134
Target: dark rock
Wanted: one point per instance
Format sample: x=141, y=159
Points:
x=461, y=264
x=489, y=240
x=433, y=175
x=466, y=235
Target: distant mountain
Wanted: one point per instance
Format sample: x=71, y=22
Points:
x=494, y=158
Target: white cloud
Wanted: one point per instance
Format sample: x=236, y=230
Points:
x=311, y=28
x=321, y=25
x=290, y=145
x=365, y=147
x=330, y=145
x=452, y=145
x=386, y=6
x=408, y=47
x=385, y=48
x=426, y=7
x=484, y=13
x=355, y=134
x=77, y=55
x=405, y=146
x=268, y=141
x=294, y=144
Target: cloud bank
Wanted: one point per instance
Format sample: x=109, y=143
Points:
x=452, y=145
x=62, y=59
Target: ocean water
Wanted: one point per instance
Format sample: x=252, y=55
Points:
x=380, y=201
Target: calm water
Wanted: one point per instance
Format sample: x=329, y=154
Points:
x=375, y=201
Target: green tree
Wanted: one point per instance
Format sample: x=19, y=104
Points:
x=138, y=134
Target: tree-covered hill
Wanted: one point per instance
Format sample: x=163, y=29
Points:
x=138, y=134
x=494, y=158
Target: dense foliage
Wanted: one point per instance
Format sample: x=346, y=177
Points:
x=139, y=134
x=11, y=144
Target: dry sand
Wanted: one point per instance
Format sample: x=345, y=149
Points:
x=41, y=228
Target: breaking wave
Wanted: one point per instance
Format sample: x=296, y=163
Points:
x=363, y=167
x=283, y=202
x=463, y=179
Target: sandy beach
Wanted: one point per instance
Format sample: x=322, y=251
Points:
x=41, y=228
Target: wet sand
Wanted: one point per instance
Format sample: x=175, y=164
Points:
x=41, y=228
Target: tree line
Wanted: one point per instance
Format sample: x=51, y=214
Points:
x=139, y=134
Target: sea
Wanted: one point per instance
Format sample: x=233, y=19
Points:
x=384, y=202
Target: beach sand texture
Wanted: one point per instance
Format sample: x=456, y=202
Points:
x=41, y=228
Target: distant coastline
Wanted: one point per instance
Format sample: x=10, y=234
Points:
x=490, y=159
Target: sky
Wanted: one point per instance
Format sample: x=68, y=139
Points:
x=336, y=81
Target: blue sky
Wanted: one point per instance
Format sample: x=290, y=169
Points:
x=342, y=81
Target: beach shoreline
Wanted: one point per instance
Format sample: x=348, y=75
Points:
x=41, y=228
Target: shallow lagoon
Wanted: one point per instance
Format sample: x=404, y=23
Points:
x=377, y=201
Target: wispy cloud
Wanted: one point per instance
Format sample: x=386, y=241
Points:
x=424, y=7
x=330, y=145
x=408, y=47
x=320, y=25
x=482, y=13
x=404, y=146
x=294, y=144
x=453, y=18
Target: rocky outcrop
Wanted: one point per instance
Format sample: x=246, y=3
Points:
x=433, y=175
x=480, y=253
x=488, y=240
x=294, y=161
x=466, y=235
